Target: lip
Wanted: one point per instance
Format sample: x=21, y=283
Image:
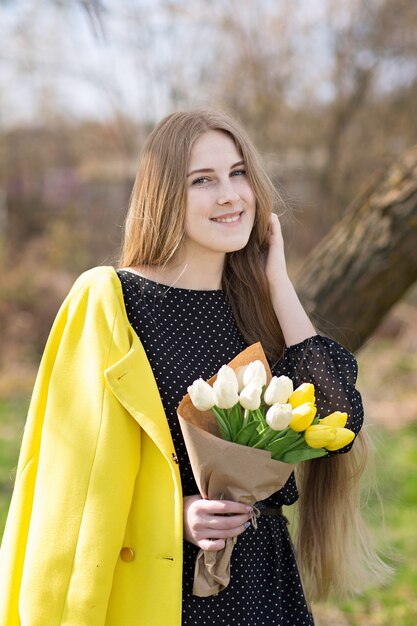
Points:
x=226, y=215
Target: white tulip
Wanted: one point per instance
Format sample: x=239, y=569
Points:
x=279, y=416
x=202, y=395
x=225, y=394
x=239, y=371
x=255, y=371
x=278, y=390
x=227, y=375
x=250, y=396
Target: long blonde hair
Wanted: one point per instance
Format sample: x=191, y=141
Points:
x=329, y=514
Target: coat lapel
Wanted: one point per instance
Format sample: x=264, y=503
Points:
x=132, y=381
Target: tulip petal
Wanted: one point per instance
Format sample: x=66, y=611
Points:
x=304, y=393
x=225, y=394
x=343, y=437
x=318, y=436
x=239, y=371
x=201, y=394
x=226, y=375
x=302, y=416
x=250, y=396
x=255, y=371
x=337, y=419
x=279, y=416
x=279, y=390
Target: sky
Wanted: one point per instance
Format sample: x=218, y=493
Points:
x=57, y=54
x=58, y=59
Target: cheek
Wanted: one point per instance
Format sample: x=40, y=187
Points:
x=248, y=195
x=194, y=218
x=198, y=208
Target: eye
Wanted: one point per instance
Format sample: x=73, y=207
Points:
x=200, y=181
x=241, y=172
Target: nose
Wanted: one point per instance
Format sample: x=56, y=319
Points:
x=227, y=194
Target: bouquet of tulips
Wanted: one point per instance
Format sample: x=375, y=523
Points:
x=274, y=417
x=244, y=431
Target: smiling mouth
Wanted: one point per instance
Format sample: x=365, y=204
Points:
x=227, y=220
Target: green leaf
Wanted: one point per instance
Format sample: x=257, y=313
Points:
x=299, y=444
x=256, y=434
x=295, y=456
x=269, y=436
x=245, y=434
x=279, y=434
x=279, y=446
x=235, y=420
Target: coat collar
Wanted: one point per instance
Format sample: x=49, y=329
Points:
x=132, y=381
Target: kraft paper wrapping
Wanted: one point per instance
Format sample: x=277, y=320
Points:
x=228, y=471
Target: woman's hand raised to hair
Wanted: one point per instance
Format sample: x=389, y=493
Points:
x=294, y=321
x=276, y=267
x=208, y=523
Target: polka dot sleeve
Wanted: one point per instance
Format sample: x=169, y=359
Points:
x=333, y=371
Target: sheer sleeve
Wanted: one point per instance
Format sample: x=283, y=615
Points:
x=333, y=371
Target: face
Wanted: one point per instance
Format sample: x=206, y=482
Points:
x=220, y=209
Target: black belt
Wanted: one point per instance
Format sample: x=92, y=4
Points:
x=259, y=508
x=269, y=510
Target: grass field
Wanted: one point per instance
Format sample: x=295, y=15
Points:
x=396, y=464
x=396, y=605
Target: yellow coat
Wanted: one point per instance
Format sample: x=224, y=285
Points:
x=94, y=532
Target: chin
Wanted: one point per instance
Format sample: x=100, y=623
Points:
x=235, y=247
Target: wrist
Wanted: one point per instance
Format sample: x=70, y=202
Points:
x=294, y=321
x=280, y=284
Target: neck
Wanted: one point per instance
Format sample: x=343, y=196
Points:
x=195, y=273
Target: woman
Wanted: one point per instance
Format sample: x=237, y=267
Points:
x=106, y=519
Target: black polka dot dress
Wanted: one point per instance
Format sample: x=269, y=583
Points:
x=190, y=333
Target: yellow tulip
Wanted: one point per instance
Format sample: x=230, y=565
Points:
x=318, y=436
x=336, y=419
x=302, y=416
x=304, y=393
x=343, y=437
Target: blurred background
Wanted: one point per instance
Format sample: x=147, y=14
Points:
x=328, y=92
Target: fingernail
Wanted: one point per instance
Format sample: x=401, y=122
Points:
x=246, y=525
x=248, y=508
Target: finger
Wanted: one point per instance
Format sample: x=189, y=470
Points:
x=225, y=522
x=274, y=223
x=217, y=541
x=211, y=533
x=209, y=545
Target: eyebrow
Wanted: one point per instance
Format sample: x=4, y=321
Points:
x=208, y=169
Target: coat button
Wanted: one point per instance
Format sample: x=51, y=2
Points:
x=127, y=554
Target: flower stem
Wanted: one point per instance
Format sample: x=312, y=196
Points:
x=222, y=423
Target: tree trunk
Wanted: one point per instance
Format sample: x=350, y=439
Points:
x=368, y=260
